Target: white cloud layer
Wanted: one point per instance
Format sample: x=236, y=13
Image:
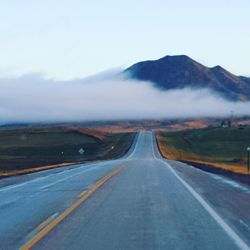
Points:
x=32, y=98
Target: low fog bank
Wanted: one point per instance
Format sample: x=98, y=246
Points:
x=33, y=98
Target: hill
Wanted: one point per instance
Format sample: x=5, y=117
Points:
x=223, y=148
x=35, y=148
x=178, y=72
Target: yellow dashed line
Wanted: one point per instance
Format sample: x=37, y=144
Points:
x=44, y=228
x=43, y=225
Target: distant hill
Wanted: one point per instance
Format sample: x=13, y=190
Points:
x=178, y=72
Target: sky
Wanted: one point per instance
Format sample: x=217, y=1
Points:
x=66, y=39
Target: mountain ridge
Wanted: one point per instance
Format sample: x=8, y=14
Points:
x=181, y=71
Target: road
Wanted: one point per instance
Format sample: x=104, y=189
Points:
x=150, y=204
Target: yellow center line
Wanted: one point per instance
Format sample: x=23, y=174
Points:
x=49, y=224
x=82, y=194
x=43, y=225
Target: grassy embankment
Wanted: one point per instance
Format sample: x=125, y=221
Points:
x=36, y=148
x=223, y=148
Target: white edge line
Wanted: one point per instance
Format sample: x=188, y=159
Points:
x=68, y=177
x=9, y=187
x=90, y=169
x=230, y=232
x=135, y=147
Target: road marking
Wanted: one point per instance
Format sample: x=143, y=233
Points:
x=42, y=226
x=45, y=223
x=82, y=194
x=135, y=147
x=75, y=168
x=68, y=177
x=80, y=200
x=21, y=184
x=229, y=231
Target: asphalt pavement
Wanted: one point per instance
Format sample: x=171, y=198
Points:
x=151, y=204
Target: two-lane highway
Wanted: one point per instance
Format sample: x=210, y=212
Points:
x=147, y=205
x=27, y=201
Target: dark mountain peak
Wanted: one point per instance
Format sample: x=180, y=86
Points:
x=217, y=67
x=176, y=57
x=220, y=70
x=180, y=63
x=181, y=71
x=183, y=59
x=226, y=77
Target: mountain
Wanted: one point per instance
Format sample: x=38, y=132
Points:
x=178, y=72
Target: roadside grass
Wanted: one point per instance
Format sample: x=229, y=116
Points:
x=33, y=147
x=219, y=147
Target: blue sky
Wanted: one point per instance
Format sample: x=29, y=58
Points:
x=66, y=39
